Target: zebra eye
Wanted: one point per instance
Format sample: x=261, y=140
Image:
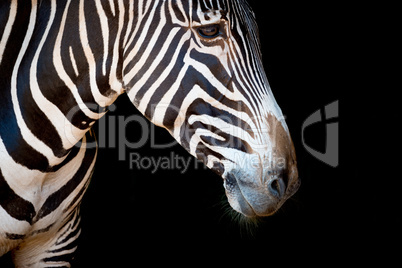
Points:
x=209, y=31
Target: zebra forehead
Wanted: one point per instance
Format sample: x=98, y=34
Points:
x=218, y=6
x=200, y=6
x=207, y=5
x=236, y=11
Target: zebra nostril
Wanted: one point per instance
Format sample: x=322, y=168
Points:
x=230, y=183
x=276, y=187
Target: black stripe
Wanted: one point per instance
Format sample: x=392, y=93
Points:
x=10, y=133
x=150, y=31
x=31, y=113
x=71, y=155
x=229, y=142
x=73, y=220
x=14, y=205
x=214, y=64
x=14, y=236
x=55, y=199
x=62, y=258
x=203, y=152
x=21, y=152
x=176, y=12
x=4, y=14
x=78, y=196
x=170, y=79
x=29, y=108
x=200, y=107
x=41, y=231
x=51, y=85
x=70, y=245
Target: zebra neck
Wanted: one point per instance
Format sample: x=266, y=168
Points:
x=66, y=72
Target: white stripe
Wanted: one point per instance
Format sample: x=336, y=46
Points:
x=23, y=181
x=232, y=130
x=258, y=86
x=130, y=22
x=199, y=93
x=132, y=33
x=145, y=78
x=72, y=57
x=163, y=105
x=102, y=100
x=105, y=32
x=26, y=133
x=112, y=7
x=55, y=181
x=175, y=20
x=128, y=59
x=114, y=83
x=68, y=133
x=58, y=65
x=13, y=226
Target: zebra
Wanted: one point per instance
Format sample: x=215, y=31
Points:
x=193, y=67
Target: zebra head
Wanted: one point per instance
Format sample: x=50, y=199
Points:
x=198, y=73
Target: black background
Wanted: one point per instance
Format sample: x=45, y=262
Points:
x=311, y=56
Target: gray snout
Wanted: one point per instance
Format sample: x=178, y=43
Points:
x=259, y=197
